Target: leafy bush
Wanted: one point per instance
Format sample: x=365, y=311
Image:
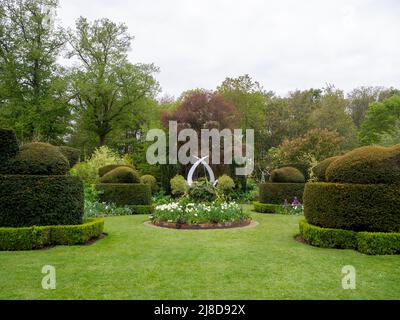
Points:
x=287, y=175
x=304, y=168
x=371, y=164
x=179, y=186
x=150, y=180
x=319, y=170
x=372, y=243
x=356, y=207
x=225, y=185
x=202, y=191
x=8, y=146
x=73, y=155
x=13, y=239
x=124, y=194
x=106, y=169
x=40, y=200
x=277, y=193
x=196, y=213
x=121, y=175
x=39, y=159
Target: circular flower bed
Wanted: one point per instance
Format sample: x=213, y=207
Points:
x=213, y=215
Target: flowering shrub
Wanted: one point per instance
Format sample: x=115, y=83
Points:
x=294, y=208
x=196, y=213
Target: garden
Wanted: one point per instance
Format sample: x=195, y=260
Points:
x=231, y=193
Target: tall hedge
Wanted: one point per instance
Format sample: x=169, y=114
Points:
x=357, y=207
x=125, y=194
x=8, y=146
x=40, y=200
x=276, y=193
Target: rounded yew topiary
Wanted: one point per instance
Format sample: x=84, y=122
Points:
x=38, y=159
x=287, y=175
x=319, y=170
x=8, y=146
x=356, y=207
x=366, y=165
x=151, y=181
x=121, y=175
x=72, y=154
x=106, y=169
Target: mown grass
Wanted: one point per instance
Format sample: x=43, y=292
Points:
x=139, y=262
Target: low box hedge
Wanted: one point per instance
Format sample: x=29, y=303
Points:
x=276, y=193
x=371, y=243
x=356, y=207
x=265, y=207
x=30, y=238
x=27, y=200
x=125, y=193
x=142, y=209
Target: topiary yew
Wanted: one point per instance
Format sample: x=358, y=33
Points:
x=319, y=170
x=287, y=175
x=72, y=154
x=366, y=165
x=121, y=175
x=106, y=169
x=150, y=180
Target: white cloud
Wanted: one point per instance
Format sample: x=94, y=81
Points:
x=284, y=44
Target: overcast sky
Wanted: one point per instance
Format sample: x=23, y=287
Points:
x=283, y=44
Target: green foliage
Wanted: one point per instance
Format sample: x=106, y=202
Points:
x=265, y=207
x=356, y=207
x=319, y=170
x=150, y=180
x=38, y=159
x=371, y=164
x=40, y=200
x=142, y=209
x=225, y=185
x=179, y=186
x=372, y=243
x=202, y=191
x=277, y=193
x=14, y=239
x=121, y=175
x=125, y=194
x=106, y=169
x=72, y=154
x=8, y=145
x=287, y=175
x=304, y=168
x=168, y=172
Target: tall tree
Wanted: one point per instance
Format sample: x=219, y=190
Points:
x=33, y=92
x=111, y=93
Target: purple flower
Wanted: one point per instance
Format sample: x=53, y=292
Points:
x=296, y=203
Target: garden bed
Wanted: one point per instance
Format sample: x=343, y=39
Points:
x=204, y=226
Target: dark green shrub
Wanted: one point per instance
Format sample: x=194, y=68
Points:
x=372, y=243
x=121, y=175
x=265, y=207
x=13, y=239
x=225, y=185
x=202, y=191
x=39, y=159
x=179, y=185
x=150, y=180
x=72, y=154
x=142, y=209
x=319, y=170
x=302, y=167
x=357, y=207
x=125, y=194
x=106, y=169
x=371, y=164
x=277, y=193
x=40, y=200
x=287, y=175
x=8, y=146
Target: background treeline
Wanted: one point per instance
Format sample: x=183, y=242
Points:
x=78, y=87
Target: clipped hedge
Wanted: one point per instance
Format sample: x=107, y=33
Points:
x=106, y=169
x=8, y=146
x=287, y=175
x=125, y=193
x=319, y=170
x=142, y=209
x=150, y=180
x=356, y=207
x=72, y=154
x=302, y=167
x=276, y=193
x=121, y=175
x=265, y=207
x=38, y=159
x=30, y=238
x=366, y=165
x=372, y=243
x=27, y=201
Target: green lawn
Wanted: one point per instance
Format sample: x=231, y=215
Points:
x=138, y=262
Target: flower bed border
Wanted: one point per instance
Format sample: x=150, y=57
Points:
x=202, y=226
